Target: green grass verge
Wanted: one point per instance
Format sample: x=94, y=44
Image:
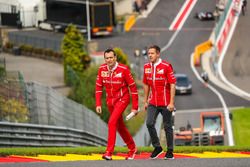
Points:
x=29, y=151
x=241, y=126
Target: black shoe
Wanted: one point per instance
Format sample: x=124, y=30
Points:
x=169, y=155
x=157, y=151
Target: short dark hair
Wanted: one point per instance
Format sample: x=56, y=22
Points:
x=157, y=48
x=110, y=50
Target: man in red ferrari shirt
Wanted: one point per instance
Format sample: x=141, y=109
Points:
x=159, y=92
x=117, y=80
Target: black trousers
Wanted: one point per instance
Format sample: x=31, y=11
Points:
x=152, y=113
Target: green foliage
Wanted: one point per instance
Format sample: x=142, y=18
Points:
x=26, y=48
x=241, y=126
x=74, y=50
x=121, y=56
x=72, y=77
x=120, y=19
x=48, y=52
x=38, y=51
x=83, y=90
x=2, y=72
x=13, y=111
x=41, y=52
x=9, y=45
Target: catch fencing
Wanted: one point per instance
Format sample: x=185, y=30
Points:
x=38, y=39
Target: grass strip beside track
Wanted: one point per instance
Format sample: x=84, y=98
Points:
x=241, y=126
x=29, y=151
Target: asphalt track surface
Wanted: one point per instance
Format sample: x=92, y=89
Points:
x=233, y=162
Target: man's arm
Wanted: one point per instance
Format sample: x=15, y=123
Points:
x=98, y=92
x=172, y=81
x=133, y=90
x=146, y=94
x=171, y=106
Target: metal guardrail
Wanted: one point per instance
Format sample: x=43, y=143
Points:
x=19, y=134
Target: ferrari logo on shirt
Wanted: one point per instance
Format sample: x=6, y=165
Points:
x=160, y=71
x=119, y=75
x=147, y=70
x=105, y=74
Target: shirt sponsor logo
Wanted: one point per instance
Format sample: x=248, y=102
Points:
x=119, y=75
x=147, y=70
x=112, y=82
x=105, y=74
x=160, y=71
x=159, y=79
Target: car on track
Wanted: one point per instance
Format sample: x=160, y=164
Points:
x=204, y=16
x=183, y=84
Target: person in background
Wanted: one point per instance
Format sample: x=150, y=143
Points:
x=137, y=6
x=204, y=76
x=159, y=97
x=244, y=7
x=119, y=84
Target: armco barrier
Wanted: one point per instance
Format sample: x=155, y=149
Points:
x=18, y=134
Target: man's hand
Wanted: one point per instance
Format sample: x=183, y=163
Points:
x=98, y=110
x=132, y=114
x=134, y=111
x=145, y=106
x=171, y=107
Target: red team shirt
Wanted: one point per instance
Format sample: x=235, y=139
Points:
x=159, y=76
x=116, y=83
